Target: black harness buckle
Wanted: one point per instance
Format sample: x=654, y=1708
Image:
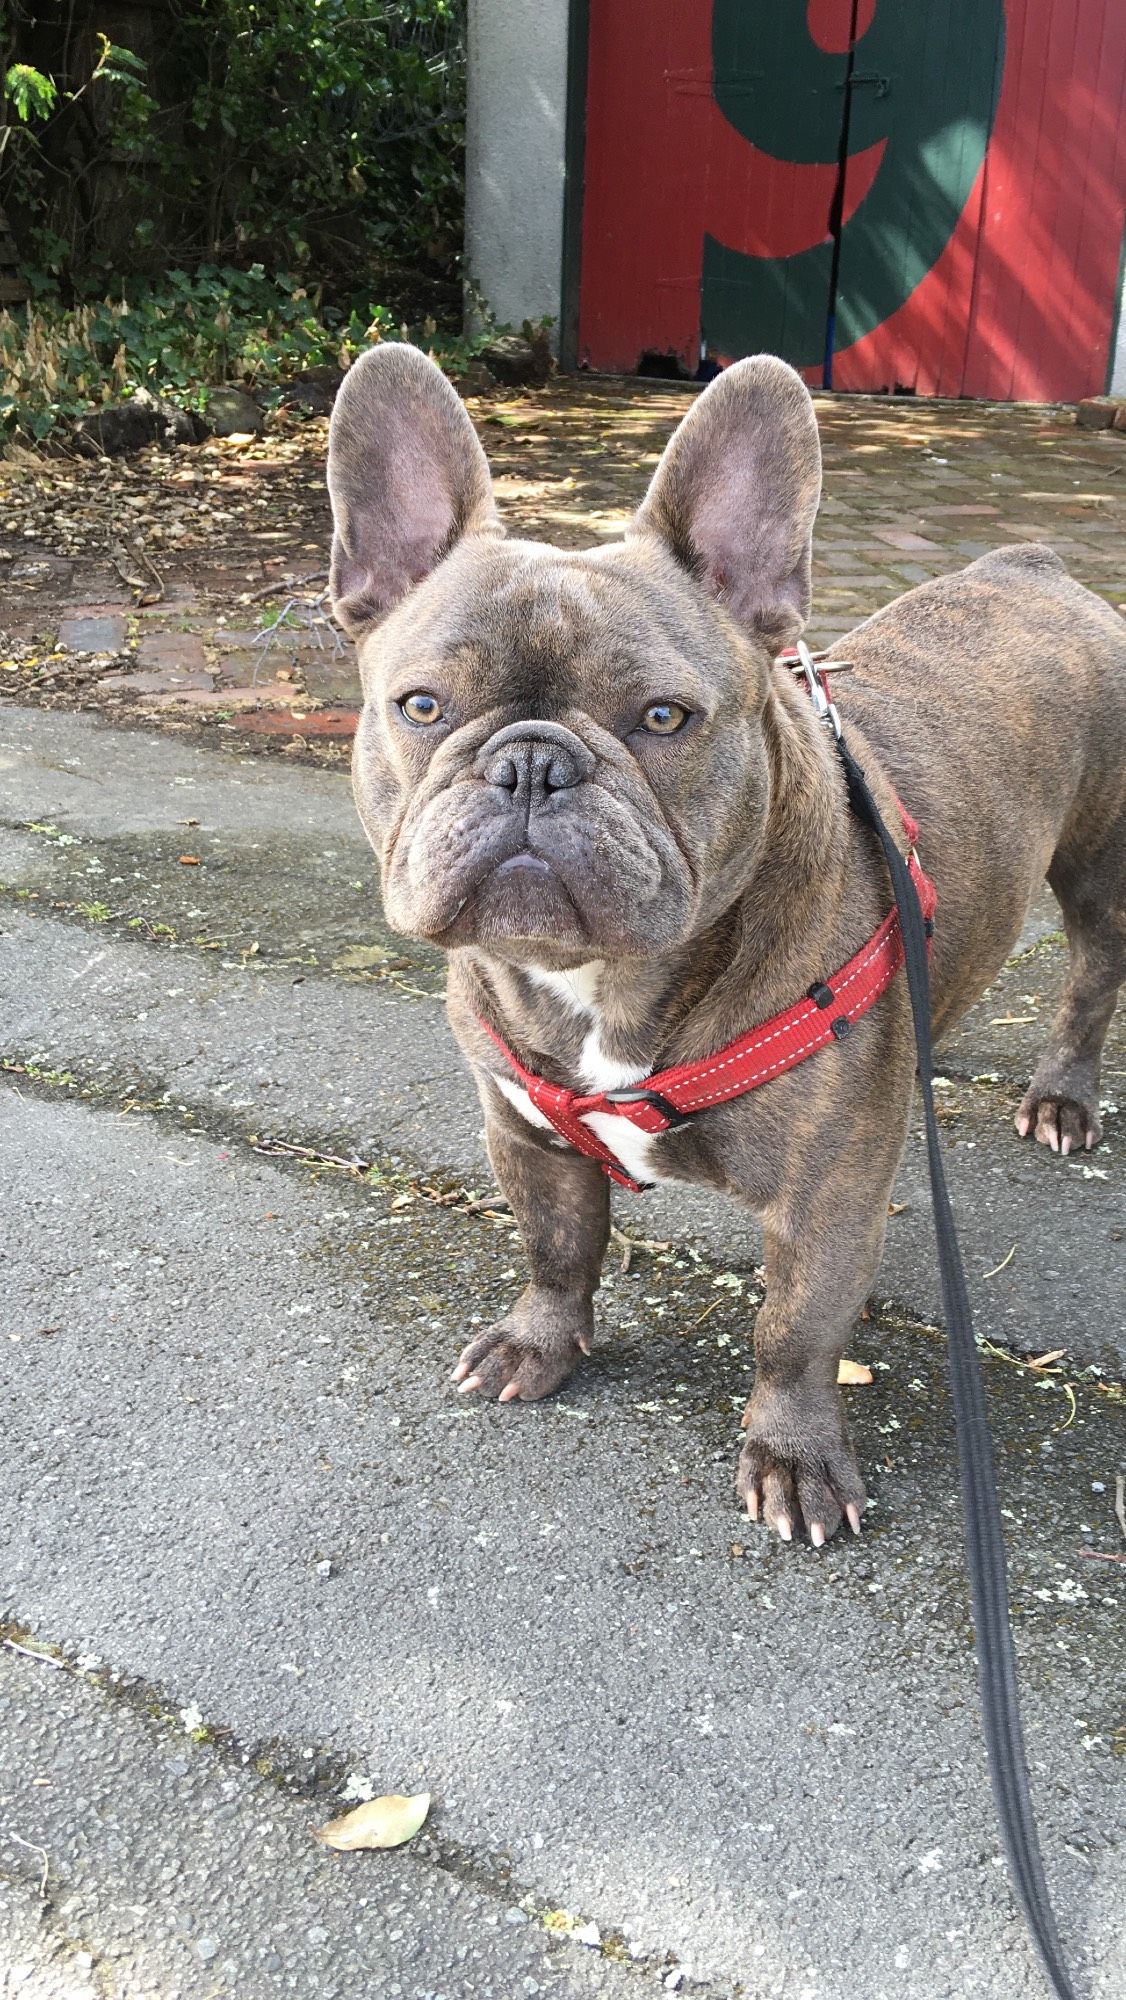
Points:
x=642, y=1096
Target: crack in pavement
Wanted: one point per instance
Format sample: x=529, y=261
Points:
x=318, y=1778
x=444, y=1191
x=260, y=1784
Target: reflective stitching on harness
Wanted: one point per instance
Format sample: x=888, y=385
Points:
x=788, y=1061
x=878, y=945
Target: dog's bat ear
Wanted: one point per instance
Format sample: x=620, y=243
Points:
x=736, y=493
x=407, y=479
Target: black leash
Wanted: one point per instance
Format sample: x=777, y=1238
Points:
x=985, y=1549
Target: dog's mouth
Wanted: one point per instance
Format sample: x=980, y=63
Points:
x=522, y=900
x=523, y=864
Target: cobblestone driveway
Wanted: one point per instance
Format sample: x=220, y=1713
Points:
x=182, y=586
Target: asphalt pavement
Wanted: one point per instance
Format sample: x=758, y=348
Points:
x=256, y=1550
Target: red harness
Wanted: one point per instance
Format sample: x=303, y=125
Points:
x=825, y=1014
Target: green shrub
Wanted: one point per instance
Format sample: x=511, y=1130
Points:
x=180, y=336
x=322, y=135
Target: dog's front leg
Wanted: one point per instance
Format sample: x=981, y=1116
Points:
x=797, y=1463
x=562, y=1206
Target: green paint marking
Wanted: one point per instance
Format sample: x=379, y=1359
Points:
x=935, y=78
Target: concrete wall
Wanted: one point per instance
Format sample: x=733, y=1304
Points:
x=1117, y=383
x=515, y=155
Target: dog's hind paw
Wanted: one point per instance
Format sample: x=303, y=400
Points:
x=1066, y=1124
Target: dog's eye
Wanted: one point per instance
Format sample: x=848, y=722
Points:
x=664, y=718
x=421, y=707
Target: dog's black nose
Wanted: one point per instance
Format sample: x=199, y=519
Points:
x=533, y=759
x=532, y=767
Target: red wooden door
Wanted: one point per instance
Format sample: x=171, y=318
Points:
x=984, y=188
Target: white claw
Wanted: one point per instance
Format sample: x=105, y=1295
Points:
x=509, y=1393
x=784, y=1528
x=474, y=1382
x=817, y=1535
x=853, y=1514
x=1066, y=1146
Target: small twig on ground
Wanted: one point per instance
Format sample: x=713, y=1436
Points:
x=30, y=1653
x=1040, y=1364
x=32, y=1847
x=629, y=1244
x=330, y=625
x=1001, y=1266
x=145, y=926
x=1070, y=1417
x=1102, y=1556
x=1120, y=1500
x=265, y=638
x=286, y=582
x=492, y=1206
x=122, y=557
x=316, y=621
x=283, y=1147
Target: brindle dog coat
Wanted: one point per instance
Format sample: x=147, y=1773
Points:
x=588, y=782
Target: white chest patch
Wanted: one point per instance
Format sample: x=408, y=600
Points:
x=602, y=1072
x=517, y=1095
x=578, y=989
x=636, y=1150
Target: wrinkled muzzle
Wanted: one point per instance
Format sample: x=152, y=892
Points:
x=534, y=839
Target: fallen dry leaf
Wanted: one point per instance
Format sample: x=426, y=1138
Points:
x=385, y=1822
x=853, y=1371
x=361, y=958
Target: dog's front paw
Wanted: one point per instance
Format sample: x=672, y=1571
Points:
x=1066, y=1119
x=797, y=1464
x=528, y=1353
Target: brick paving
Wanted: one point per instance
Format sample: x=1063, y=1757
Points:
x=236, y=542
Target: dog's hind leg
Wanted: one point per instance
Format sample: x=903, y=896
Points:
x=1061, y=1105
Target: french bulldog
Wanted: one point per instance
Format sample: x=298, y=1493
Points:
x=589, y=781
